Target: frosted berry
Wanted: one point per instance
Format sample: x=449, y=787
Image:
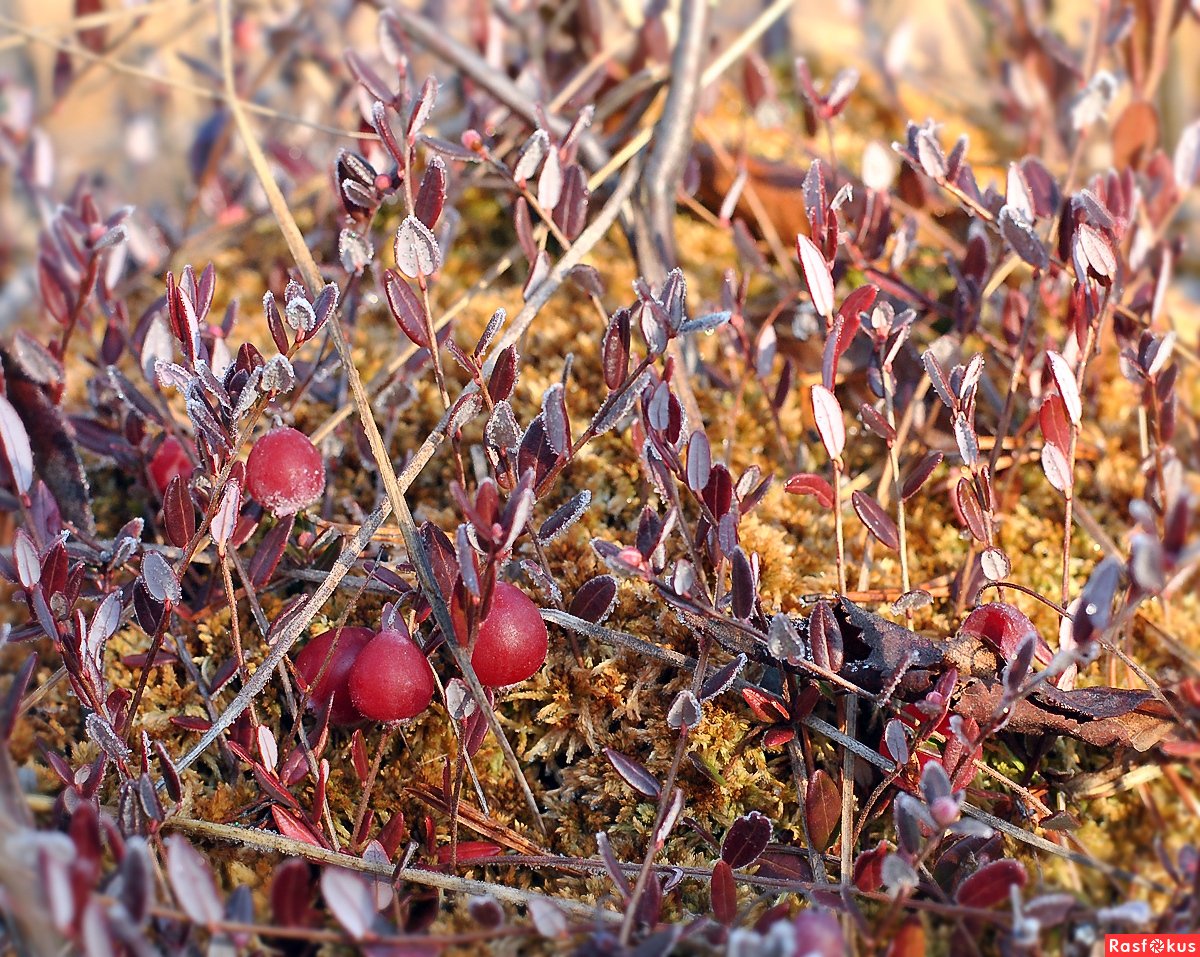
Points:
x=391, y=680
x=285, y=472
x=169, y=460
x=333, y=687
x=511, y=643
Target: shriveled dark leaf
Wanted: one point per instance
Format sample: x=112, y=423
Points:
x=825, y=637
x=877, y=521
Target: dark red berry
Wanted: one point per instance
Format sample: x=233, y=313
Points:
x=332, y=688
x=512, y=642
x=391, y=680
x=285, y=471
x=169, y=460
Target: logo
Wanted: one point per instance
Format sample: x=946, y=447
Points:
x=1152, y=944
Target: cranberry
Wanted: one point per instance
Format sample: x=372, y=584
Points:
x=512, y=642
x=285, y=472
x=391, y=680
x=169, y=460
x=332, y=688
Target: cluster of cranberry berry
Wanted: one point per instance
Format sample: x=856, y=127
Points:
x=360, y=674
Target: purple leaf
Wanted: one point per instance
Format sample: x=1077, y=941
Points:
x=825, y=637
x=823, y=807
x=699, y=461
x=160, y=578
x=920, y=474
x=431, y=196
x=1023, y=240
x=634, y=773
x=549, y=921
x=744, y=591
x=878, y=522
x=564, y=517
x=746, y=839
x=594, y=600
x=407, y=309
x=685, y=711
x=722, y=678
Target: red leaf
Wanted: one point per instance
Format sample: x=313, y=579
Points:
x=746, y=839
x=723, y=891
x=990, y=885
x=806, y=483
x=291, y=826
x=823, y=805
x=469, y=851
x=765, y=707
x=407, y=309
x=1052, y=417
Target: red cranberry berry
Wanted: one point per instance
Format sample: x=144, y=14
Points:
x=511, y=643
x=285, y=472
x=332, y=688
x=169, y=460
x=391, y=680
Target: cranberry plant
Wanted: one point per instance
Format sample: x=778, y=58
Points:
x=343, y=585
